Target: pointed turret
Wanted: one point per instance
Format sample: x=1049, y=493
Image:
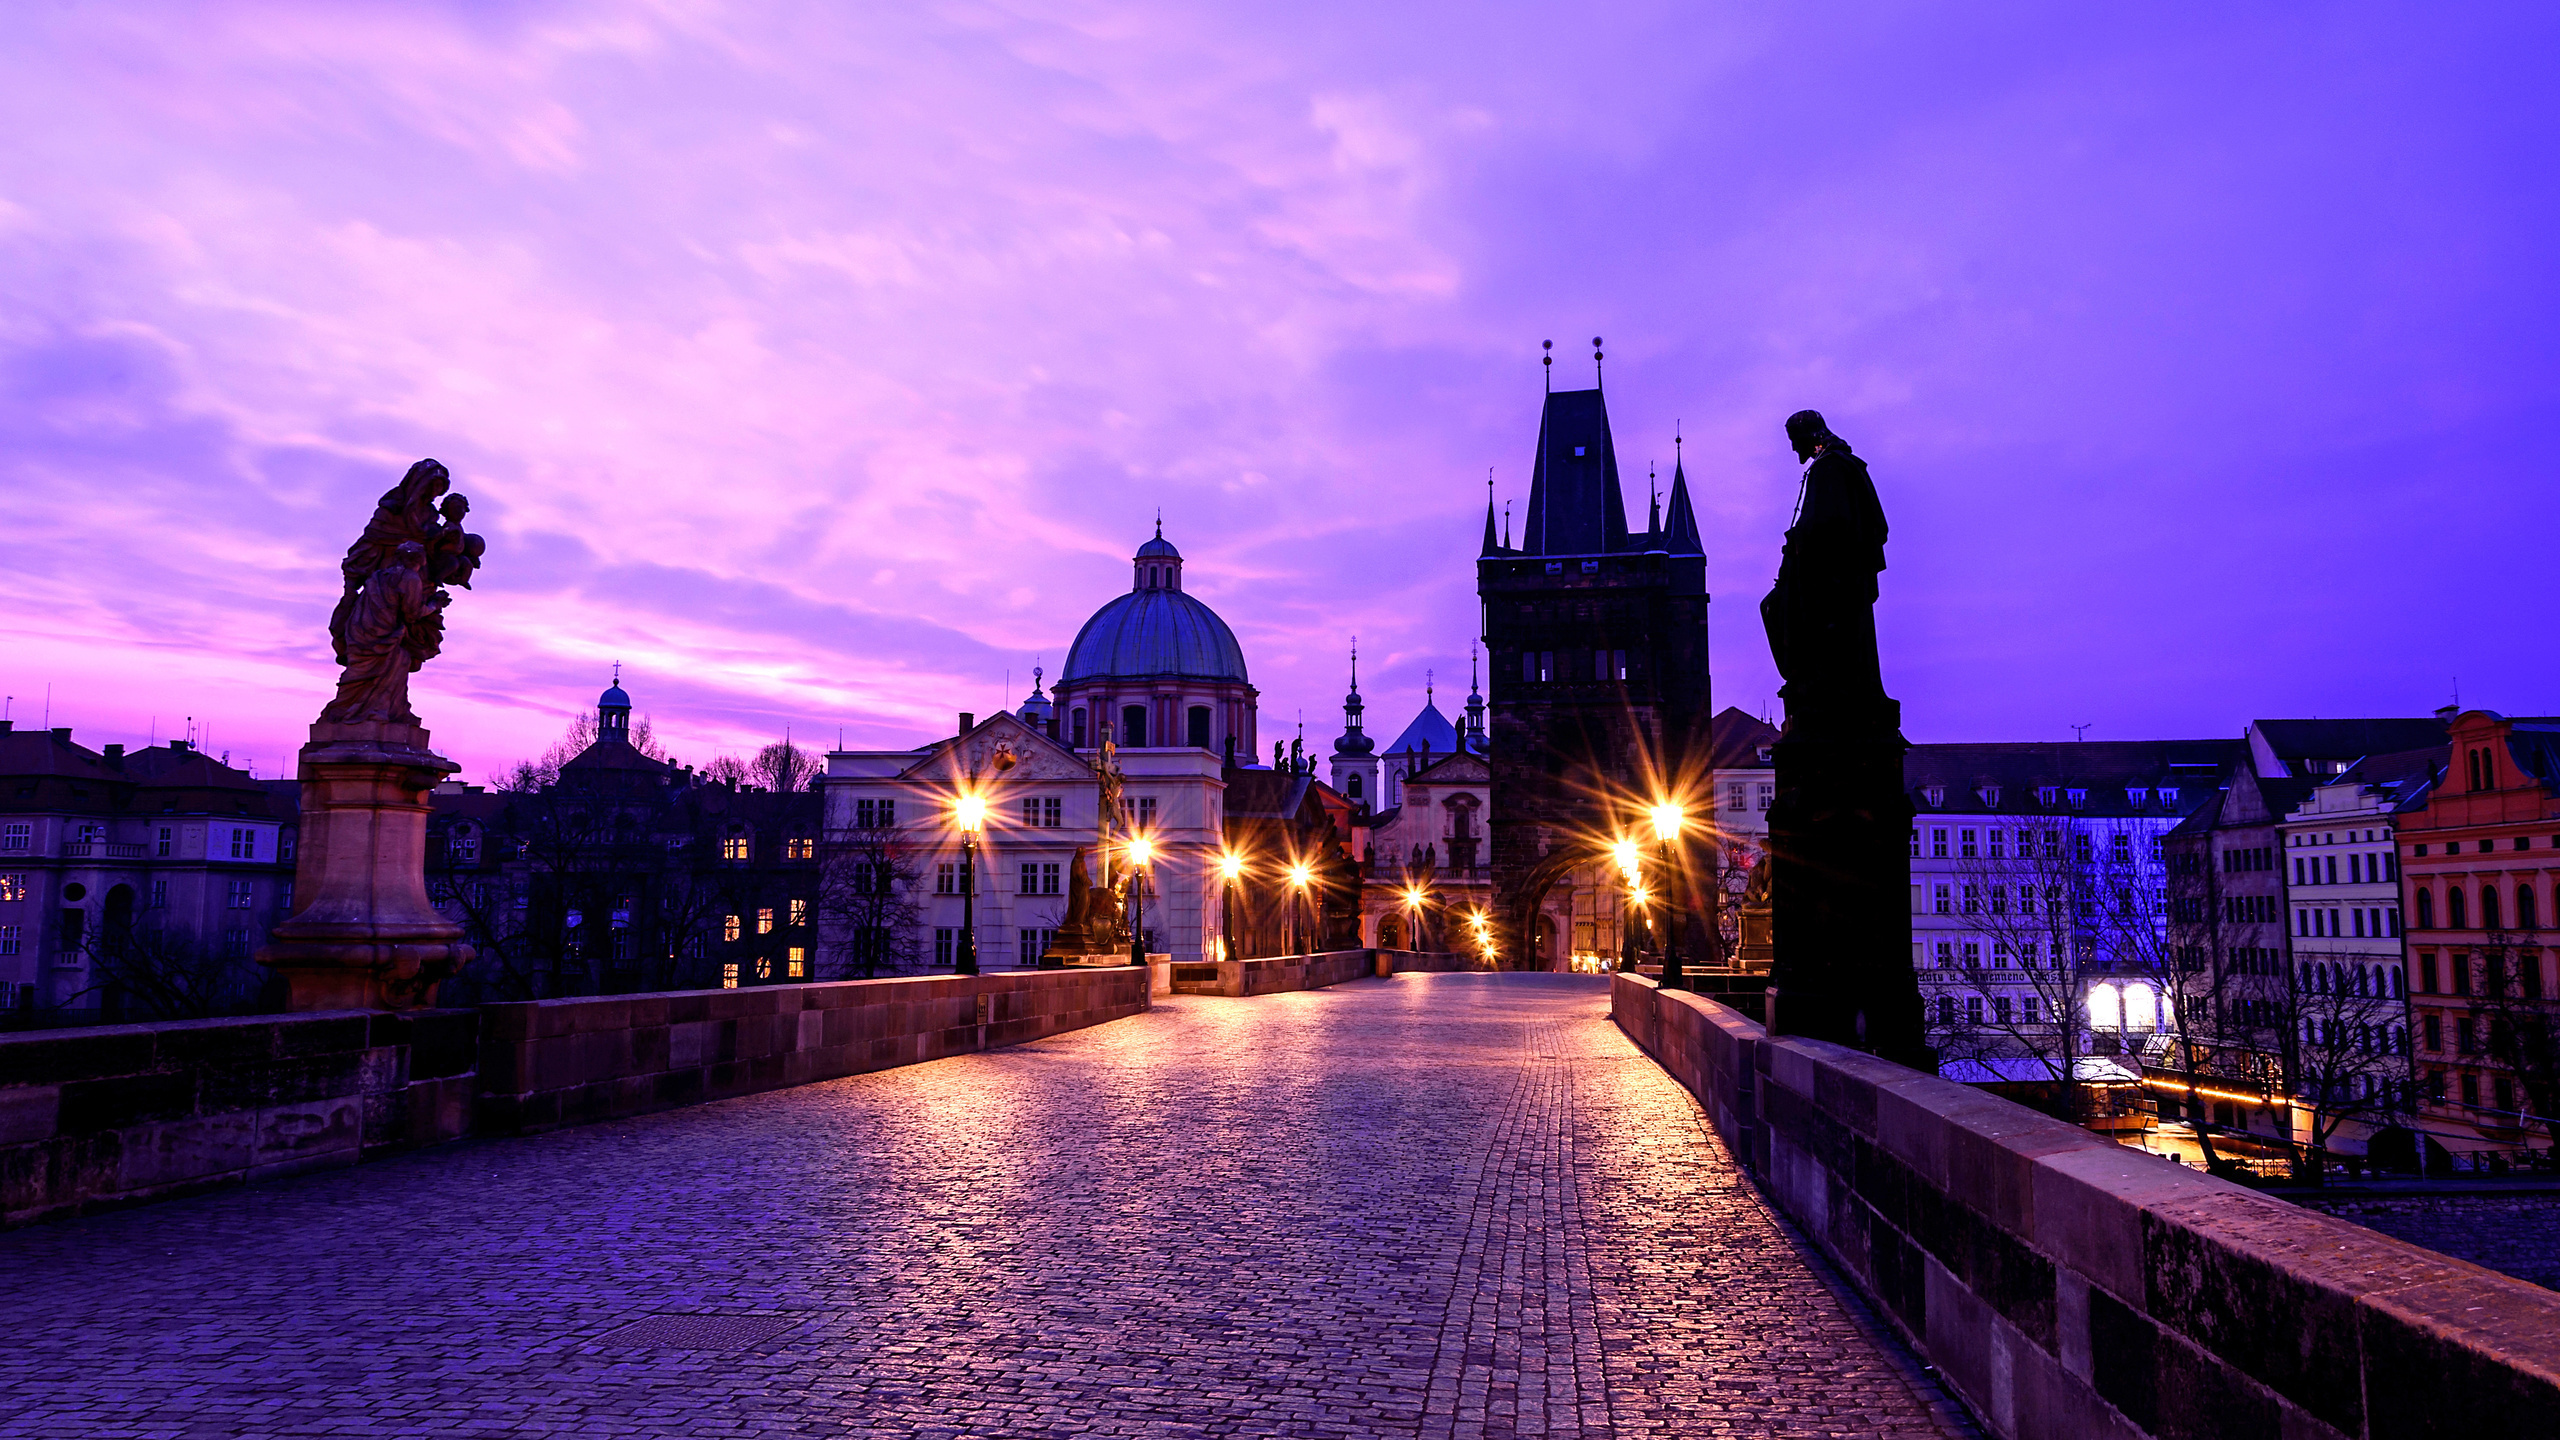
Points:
x=1474, y=738
x=1680, y=524
x=1492, y=546
x=1353, y=742
x=1575, y=506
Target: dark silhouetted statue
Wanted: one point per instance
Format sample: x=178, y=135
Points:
x=1840, y=909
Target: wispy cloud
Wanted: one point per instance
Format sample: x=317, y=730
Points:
x=823, y=365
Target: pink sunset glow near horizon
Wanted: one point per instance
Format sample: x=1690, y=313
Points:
x=824, y=365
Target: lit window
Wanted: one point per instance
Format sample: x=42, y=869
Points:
x=799, y=913
x=13, y=887
x=800, y=847
x=764, y=921
x=729, y=927
x=729, y=977
x=796, y=966
x=733, y=847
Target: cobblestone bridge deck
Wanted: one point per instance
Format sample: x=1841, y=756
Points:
x=1443, y=1205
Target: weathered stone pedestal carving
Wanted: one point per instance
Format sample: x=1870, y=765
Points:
x=364, y=936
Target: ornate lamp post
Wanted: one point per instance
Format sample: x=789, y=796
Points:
x=1230, y=870
x=970, y=814
x=1631, y=868
x=1141, y=850
x=1414, y=899
x=1300, y=874
x=1667, y=821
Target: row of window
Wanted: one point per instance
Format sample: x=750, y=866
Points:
x=2362, y=869
x=2375, y=922
x=1538, y=667
x=243, y=840
x=2136, y=796
x=1737, y=794
x=2025, y=955
x=2457, y=908
x=795, y=966
x=2490, y=846
x=2492, y=974
x=2249, y=857
x=1197, y=722
x=731, y=926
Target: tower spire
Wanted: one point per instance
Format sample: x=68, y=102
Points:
x=1489, y=546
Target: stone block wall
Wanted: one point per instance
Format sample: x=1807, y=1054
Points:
x=1272, y=975
x=117, y=1115
x=2068, y=1286
x=550, y=1063
x=1429, y=962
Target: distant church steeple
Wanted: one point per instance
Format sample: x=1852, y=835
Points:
x=613, y=711
x=1355, y=765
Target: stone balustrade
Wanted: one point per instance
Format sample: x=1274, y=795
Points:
x=2069, y=1286
x=116, y=1115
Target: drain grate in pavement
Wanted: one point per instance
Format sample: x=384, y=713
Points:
x=699, y=1332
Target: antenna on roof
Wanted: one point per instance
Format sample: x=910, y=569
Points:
x=1548, y=363
x=1595, y=363
x=2081, y=732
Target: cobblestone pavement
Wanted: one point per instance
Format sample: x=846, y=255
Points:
x=1442, y=1205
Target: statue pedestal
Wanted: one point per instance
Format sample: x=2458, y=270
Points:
x=1839, y=918
x=363, y=936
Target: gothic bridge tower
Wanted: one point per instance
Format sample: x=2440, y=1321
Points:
x=1597, y=640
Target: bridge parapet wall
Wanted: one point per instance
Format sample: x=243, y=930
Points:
x=116, y=1115
x=2068, y=1286
x=1272, y=974
x=549, y=1063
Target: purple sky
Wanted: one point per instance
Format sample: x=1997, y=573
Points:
x=824, y=370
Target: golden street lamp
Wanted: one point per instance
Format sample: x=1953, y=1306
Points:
x=1230, y=870
x=1414, y=900
x=1631, y=868
x=1668, y=821
x=970, y=814
x=1140, y=851
x=1300, y=876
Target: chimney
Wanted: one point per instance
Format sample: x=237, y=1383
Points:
x=62, y=733
x=115, y=757
x=7, y=725
x=2445, y=714
x=968, y=722
x=1052, y=725
x=179, y=747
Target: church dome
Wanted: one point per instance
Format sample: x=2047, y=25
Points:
x=1155, y=629
x=1154, y=632
x=614, y=697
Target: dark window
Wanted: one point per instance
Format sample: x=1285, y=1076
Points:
x=1076, y=725
x=1199, y=719
x=2488, y=907
x=2453, y=908
x=1133, y=725
x=2426, y=909
x=2526, y=916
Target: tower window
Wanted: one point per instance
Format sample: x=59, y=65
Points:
x=1133, y=725
x=1198, y=721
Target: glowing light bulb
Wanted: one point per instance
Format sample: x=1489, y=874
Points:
x=970, y=812
x=1667, y=819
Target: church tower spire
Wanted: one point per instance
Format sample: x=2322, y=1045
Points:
x=1682, y=521
x=1355, y=763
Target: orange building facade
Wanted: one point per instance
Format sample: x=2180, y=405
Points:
x=2480, y=882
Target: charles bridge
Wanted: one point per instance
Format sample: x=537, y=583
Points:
x=1335, y=1195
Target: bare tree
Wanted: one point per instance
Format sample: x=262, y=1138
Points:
x=783, y=768
x=2522, y=1022
x=869, y=917
x=530, y=776
x=155, y=972
x=2350, y=1047
x=727, y=770
x=2021, y=894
